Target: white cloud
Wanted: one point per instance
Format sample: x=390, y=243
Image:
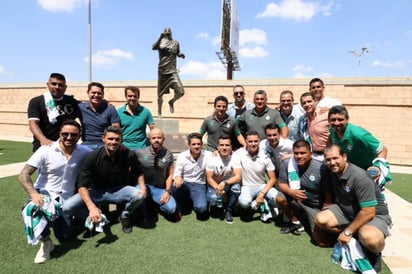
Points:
x=254, y=36
x=2, y=70
x=298, y=10
x=303, y=71
x=397, y=64
x=62, y=5
x=202, y=35
x=108, y=58
x=199, y=70
x=253, y=52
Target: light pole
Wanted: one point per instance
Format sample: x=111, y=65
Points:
x=90, y=40
x=363, y=51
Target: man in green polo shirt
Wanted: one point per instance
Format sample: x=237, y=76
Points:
x=363, y=149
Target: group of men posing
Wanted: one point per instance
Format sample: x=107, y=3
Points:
x=305, y=160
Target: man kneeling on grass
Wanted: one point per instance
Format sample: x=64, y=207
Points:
x=359, y=210
x=103, y=179
x=58, y=166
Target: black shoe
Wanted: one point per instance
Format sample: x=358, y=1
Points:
x=376, y=261
x=292, y=228
x=172, y=109
x=126, y=225
x=229, y=217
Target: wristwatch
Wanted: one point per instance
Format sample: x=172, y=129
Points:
x=347, y=233
x=169, y=191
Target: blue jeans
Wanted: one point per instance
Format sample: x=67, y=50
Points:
x=93, y=145
x=249, y=193
x=232, y=193
x=130, y=195
x=156, y=193
x=191, y=193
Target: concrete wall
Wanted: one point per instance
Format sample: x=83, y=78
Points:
x=382, y=106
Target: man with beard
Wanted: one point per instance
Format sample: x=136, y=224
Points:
x=104, y=179
x=240, y=105
x=220, y=124
x=47, y=112
x=58, y=166
x=158, y=168
x=361, y=147
x=258, y=118
x=290, y=113
x=359, y=210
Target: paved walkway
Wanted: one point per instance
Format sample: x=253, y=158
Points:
x=397, y=253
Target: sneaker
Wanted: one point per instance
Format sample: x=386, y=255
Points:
x=294, y=228
x=46, y=247
x=229, y=217
x=126, y=225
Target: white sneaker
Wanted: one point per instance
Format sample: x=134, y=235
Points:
x=46, y=247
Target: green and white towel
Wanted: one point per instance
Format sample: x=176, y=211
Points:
x=385, y=177
x=304, y=129
x=354, y=259
x=293, y=176
x=52, y=111
x=36, y=218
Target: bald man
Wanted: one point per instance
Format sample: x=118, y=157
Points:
x=158, y=167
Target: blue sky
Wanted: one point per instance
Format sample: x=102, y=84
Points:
x=278, y=39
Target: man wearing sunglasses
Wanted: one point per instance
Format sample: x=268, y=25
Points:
x=240, y=104
x=58, y=166
x=47, y=112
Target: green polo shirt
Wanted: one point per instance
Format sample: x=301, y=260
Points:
x=134, y=126
x=359, y=144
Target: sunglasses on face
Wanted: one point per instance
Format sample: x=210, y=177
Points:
x=66, y=134
x=57, y=84
x=238, y=93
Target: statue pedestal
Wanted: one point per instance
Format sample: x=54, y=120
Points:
x=174, y=140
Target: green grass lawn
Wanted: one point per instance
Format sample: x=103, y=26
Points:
x=402, y=185
x=14, y=152
x=189, y=246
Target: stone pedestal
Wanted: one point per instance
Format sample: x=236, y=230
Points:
x=174, y=140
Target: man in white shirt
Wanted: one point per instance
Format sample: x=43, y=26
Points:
x=189, y=178
x=224, y=174
x=58, y=165
x=256, y=165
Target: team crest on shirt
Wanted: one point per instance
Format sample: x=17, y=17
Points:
x=267, y=117
x=212, y=123
x=312, y=177
x=349, y=147
x=228, y=125
x=346, y=188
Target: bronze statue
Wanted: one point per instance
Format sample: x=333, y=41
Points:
x=168, y=76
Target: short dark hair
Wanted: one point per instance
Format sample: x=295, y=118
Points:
x=57, y=76
x=225, y=137
x=71, y=122
x=272, y=126
x=316, y=80
x=338, y=109
x=113, y=129
x=132, y=88
x=95, y=84
x=329, y=147
x=301, y=143
x=221, y=98
x=286, y=92
x=260, y=91
x=252, y=133
x=194, y=135
x=307, y=94
x=238, y=86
